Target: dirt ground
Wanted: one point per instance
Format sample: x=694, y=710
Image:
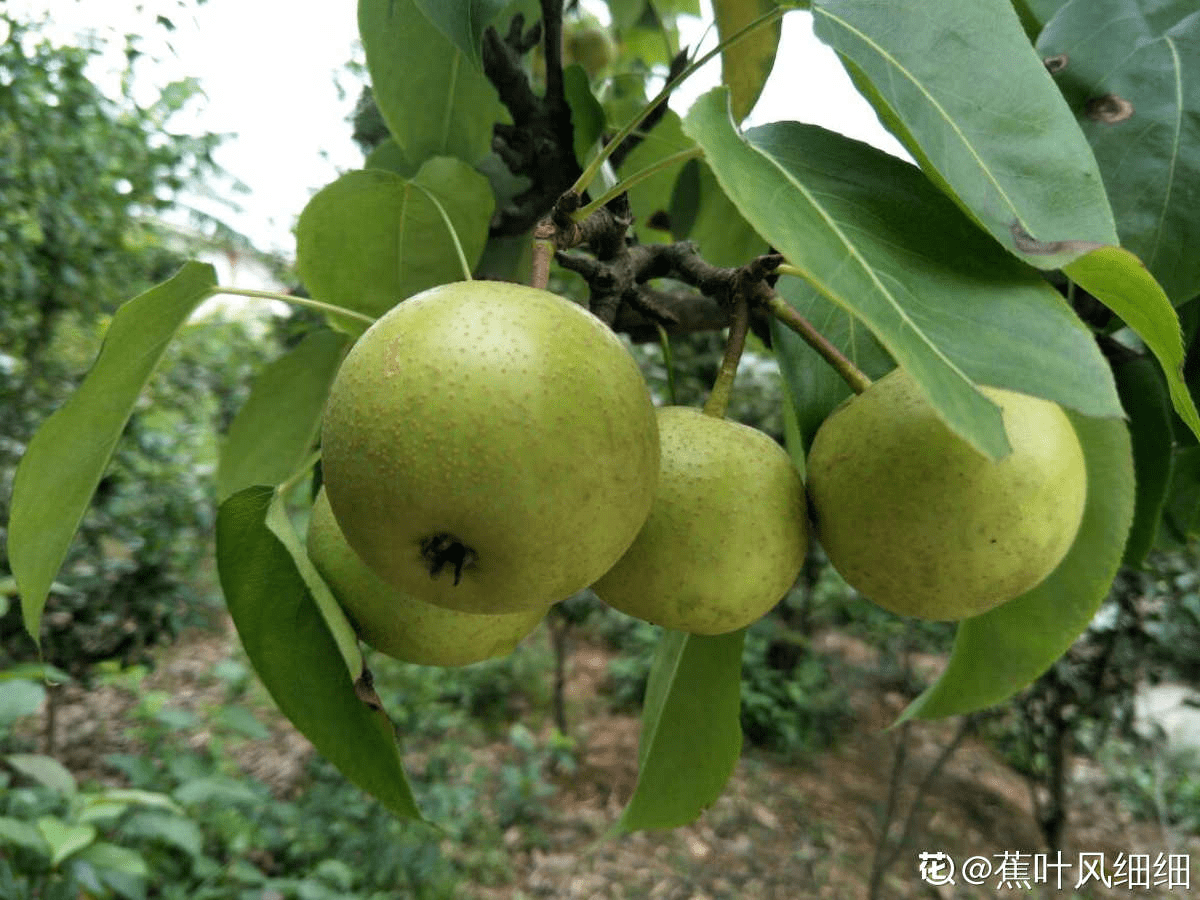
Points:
x=779, y=832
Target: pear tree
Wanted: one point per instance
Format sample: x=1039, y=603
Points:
x=983, y=352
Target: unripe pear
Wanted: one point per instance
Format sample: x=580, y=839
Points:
x=727, y=533
x=489, y=447
x=924, y=525
x=397, y=623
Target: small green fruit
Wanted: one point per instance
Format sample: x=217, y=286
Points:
x=590, y=46
x=398, y=624
x=726, y=536
x=925, y=526
x=489, y=447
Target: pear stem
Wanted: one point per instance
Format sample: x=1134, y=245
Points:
x=543, y=251
x=851, y=374
x=722, y=390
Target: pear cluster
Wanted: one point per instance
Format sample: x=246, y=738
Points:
x=490, y=449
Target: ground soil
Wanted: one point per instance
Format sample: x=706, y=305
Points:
x=781, y=831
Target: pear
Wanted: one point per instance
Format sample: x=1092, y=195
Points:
x=727, y=533
x=399, y=624
x=489, y=447
x=921, y=523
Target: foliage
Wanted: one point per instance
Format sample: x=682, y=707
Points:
x=84, y=175
x=191, y=823
x=996, y=259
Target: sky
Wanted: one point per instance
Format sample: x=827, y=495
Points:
x=274, y=79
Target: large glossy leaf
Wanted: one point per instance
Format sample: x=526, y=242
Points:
x=1144, y=396
x=372, y=238
x=960, y=85
x=336, y=624
x=746, y=64
x=691, y=732
x=274, y=431
x=463, y=22
x=1001, y=652
x=1147, y=55
x=815, y=387
x=1034, y=14
x=876, y=238
x=433, y=99
x=67, y=456
x=295, y=655
x=1119, y=280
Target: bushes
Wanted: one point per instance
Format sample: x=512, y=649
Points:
x=192, y=824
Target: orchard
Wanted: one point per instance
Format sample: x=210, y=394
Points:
x=989, y=408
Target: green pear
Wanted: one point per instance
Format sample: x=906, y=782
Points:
x=726, y=535
x=924, y=525
x=399, y=624
x=489, y=447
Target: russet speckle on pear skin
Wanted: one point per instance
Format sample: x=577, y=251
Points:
x=925, y=526
x=532, y=439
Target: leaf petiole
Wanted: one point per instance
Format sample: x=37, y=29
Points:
x=296, y=301
x=781, y=310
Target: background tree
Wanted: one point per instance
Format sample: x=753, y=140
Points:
x=86, y=178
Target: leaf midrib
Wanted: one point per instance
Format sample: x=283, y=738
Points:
x=941, y=110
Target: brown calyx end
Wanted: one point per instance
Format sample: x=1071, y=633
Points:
x=446, y=552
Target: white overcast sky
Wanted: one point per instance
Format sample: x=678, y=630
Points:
x=269, y=70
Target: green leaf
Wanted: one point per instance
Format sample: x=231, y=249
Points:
x=113, y=858
x=45, y=770
x=718, y=228
x=19, y=698
x=67, y=456
x=299, y=662
x=274, y=432
x=64, y=839
x=691, y=733
x=1036, y=13
x=22, y=834
x=373, y=238
x=164, y=828
x=963, y=90
x=814, y=385
x=1181, y=512
x=746, y=65
x=434, y=101
x=1149, y=408
x=242, y=721
x=336, y=623
x=653, y=196
x=587, y=115
x=1148, y=55
x=216, y=790
x=1002, y=651
x=390, y=156
x=463, y=22
x=1119, y=280
x=626, y=13
x=876, y=238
